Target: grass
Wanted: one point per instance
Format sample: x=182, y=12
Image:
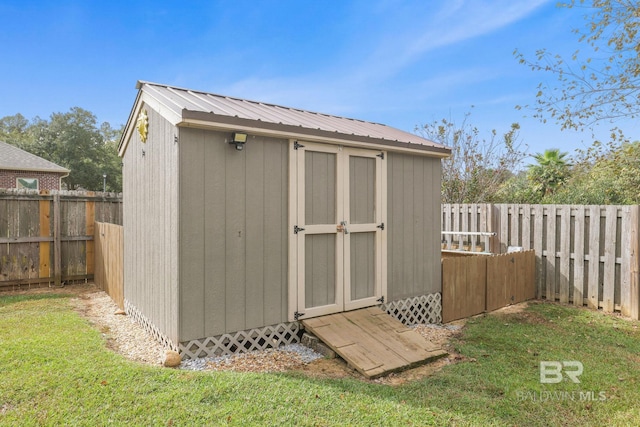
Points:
x=55, y=369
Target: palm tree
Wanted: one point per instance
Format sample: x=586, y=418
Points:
x=550, y=171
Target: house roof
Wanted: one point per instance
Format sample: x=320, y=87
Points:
x=184, y=107
x=13, y=158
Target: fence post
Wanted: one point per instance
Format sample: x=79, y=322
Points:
x=57, y=263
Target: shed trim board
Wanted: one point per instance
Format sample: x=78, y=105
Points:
x=344, y=279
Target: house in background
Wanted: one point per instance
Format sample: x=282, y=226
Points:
x=242, y=218
x=21, y=169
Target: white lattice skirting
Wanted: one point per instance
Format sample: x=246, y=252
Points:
x=422, y=309
x=132, y=311
x=242, y=341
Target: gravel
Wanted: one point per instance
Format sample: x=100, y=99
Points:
x=130, y=339
x=270, y=360
x=126, y=337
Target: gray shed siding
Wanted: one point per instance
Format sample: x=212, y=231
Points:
x=413, y=214
x=150, y=214
x=233, y=233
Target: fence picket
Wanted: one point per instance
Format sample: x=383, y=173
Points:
x=565, y=255
x=50, y=235
x=550, y=293
x=594, y=257
x=578, y=260
x=608, y=291
x=538, y=245
x=584, y=254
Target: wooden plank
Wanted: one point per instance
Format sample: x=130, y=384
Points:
x=565, y=254
x=45, y=231
x=538, y=245
x=578, y=256
x=550, y=292
x=447, y=225
x=594, y=257
x=634, y=268
x=494, y=220
x=57, y=250
x=526, y=227
x=372, y=342
x=625, y=267
x=498, y=274
x=515, y=226
x=504, y=229
x=610, y=259
x=90, y=216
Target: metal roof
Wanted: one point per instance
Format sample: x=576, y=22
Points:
x=13, y=158
x=196, y=108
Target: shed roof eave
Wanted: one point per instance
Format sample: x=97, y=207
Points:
x=228, y=123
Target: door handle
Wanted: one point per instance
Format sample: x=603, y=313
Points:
x=343, y=227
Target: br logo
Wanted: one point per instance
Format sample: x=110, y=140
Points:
x=551, y=372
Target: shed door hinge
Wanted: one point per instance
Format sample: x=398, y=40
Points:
x=297, y=145
x=296, y=229
x=381, y=299
x=381, y=226
x=381, y=155
x=297, y=315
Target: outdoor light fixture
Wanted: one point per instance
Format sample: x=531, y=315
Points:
x=239, y=139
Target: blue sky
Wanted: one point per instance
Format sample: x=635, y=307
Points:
x=402, y=63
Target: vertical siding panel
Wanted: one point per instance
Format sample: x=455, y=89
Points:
x=420, y=228
x=403, y=232
x=192, y=245
x=171, y=236
x=408, y=235
x=275, y=231
x=433, y=196
x=236, y=232
x=255, y=226
x=215, y=234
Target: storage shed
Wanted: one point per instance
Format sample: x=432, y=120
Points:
x=241, y=218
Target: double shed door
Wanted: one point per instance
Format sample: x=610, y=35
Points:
x=338, y=229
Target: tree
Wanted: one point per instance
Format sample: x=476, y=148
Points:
x=602, y=85
x=550, y=171
x=71, y=140
x=477, y=167
x=603, y=176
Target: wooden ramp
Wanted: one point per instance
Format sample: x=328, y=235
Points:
x=373, y=342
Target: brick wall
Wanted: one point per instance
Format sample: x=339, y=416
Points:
x=46, y=181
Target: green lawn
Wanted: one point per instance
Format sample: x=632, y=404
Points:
x=55, y=370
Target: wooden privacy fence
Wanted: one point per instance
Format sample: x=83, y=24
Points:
x=474, y=284
x=585, y=255
x=108, y=273
x=48, y=237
